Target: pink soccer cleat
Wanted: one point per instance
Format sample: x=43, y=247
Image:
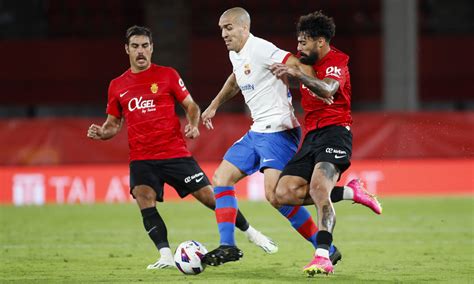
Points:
x=318, y=265
x=363, y=197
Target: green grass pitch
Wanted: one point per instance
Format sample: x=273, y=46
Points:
x=415, y=240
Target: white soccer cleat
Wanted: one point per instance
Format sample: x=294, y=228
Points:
x=162, y=263
x=262, y=241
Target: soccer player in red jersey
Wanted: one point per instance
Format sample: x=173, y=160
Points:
x=327, y=147
x=270, y=143
x=145, y=97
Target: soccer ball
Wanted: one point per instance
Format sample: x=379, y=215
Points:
x=188, y=257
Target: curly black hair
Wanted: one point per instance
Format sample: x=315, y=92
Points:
x=315, y=25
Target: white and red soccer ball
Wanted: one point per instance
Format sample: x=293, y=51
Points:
x=188, y=257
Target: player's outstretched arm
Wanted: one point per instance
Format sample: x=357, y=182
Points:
x=109, y=129
x=191, y=130
x=228, y=91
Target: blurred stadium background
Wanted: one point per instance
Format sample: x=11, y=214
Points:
x=411, y=67
x=412, y=72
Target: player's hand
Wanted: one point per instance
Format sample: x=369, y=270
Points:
x=328, y=101
x=206, y=117
x=281, y=70
x=191, y=131
x=95, y=132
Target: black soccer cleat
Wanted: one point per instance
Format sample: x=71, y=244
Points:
x=335, y=256
x=222, y=254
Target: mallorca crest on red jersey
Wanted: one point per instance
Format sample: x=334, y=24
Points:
x=154, y=88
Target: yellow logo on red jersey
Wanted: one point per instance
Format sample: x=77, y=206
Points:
x=154, y=88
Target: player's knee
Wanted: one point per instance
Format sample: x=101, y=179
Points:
x=144, y=194
x=282, y=194
x=319, y=190
x=272, y=199
x=280, y=198
x=325, y=173
x=216, y=180
x=220, y=179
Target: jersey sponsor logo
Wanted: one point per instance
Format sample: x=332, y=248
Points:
x=154, y=88
x=333, y=71
x=181, y=84
x=123, y=94
x=335, y=151
x=248, y=87
x=140, y=104
x=247, y=69
x=197, y=177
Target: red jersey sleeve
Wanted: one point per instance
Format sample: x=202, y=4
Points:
x=113, y=105
x=178, y=88
x=335, y=69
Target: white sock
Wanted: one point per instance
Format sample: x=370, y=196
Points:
x=322, y=252
x=166, y=253
x=250, y=231
x=348, y=193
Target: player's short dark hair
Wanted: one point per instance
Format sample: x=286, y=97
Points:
x=137, y=30
x=316, y=25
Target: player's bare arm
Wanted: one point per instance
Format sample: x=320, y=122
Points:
x=109, y=129
x=325, y=88
x=309, y=71
x=293, y=62
x=228, y=91
x=191, y=130
x=295, y=69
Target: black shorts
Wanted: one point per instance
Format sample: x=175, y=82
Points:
x=331, y=144
x=184, y=174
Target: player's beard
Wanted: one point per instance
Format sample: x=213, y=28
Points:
x=309, y=59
